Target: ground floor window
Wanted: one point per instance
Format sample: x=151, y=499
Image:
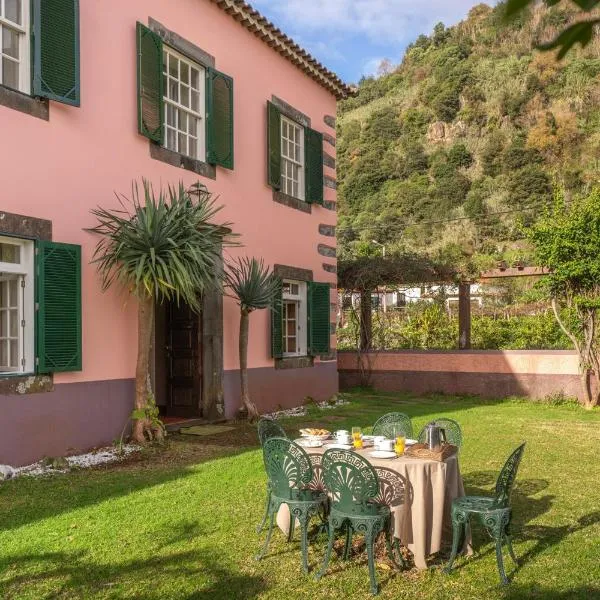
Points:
x=16, y=305
x=294, y=318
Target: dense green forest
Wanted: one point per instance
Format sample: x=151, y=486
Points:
x=457, y=149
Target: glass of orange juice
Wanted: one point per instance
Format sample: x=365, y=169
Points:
x=357, y=437
x=400, y=445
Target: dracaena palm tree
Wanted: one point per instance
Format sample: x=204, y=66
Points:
x=162, y=246
x=254, y=287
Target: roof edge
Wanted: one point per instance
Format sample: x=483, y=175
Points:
x=271, y=35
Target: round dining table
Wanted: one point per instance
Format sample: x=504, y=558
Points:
x=419, y=493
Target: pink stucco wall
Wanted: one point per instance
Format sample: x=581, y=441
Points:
x=60, y=169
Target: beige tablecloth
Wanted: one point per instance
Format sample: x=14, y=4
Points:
x=419, y=493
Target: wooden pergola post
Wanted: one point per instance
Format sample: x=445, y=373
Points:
x=464, y=315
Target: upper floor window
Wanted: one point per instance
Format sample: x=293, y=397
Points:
x=14, y=45
x=292, y=158
x=183, y=85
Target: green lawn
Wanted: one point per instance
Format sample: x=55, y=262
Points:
x=178, y=522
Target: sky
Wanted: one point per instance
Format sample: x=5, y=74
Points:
x=351, y=37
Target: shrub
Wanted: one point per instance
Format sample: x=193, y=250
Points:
x=459, y=156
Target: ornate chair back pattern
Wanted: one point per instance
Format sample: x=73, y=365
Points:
x=507, y=477
x=393, y=423
x=268, y=428
x=450, y=426
x=350, y=479
x=288, y=466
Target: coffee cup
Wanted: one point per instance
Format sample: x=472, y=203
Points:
x=342, y=434
x=386, y=445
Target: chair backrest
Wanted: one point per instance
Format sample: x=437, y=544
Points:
x=288, y=466
x=393, y=424
x=350, y=479
x=268, y=428
x=506, y=479
x=450, y=426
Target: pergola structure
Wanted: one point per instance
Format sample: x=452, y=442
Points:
x=366, y=274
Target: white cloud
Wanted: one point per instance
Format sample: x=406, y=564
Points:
x=371, y=66
x=382, y=21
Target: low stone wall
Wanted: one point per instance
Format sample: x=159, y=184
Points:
x=487, y=373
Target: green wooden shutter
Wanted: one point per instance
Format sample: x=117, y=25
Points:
x=273, y=146
x=277, y=325
x=55, y=43
x=313, y=165
x=219, y=119
x=150, y=83
x=58, y=316
x=319, y=309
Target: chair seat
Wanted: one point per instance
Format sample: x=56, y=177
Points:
x=371, y=511
x=302, y=496
x=476, y=504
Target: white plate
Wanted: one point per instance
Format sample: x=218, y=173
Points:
x=410, y=442
x=309, y=443
x=382, y=454
x=338, y=446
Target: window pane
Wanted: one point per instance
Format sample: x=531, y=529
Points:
x=183, y=121
x=195, y=101
x=173, y=92
x=165, y=62
x=12, y=11
x=182, y=147
x=184, y=74
x=195, y=79
x=10, y=253
x=14, y=353
x=184, y=95
x=171, y=139
x=173, y=66
x=10, y=42
x=4, y=323
x=14, y=323
x=13, y=287
x=10, y=73
x=171, y=115
x=4, y=353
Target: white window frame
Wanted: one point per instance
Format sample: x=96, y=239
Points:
x=24, y=45
x=296, y=295
x=199, y=116
x=288, y=162
x=24, y=270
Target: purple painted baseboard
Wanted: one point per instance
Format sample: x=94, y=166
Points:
x=272, y=388
x=74, y=417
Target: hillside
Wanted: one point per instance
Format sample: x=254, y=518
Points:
x=459, y=147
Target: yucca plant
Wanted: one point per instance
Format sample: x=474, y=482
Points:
x=162, y=246
x=254, y=287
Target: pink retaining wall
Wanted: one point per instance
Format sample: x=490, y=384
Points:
x=495, y=374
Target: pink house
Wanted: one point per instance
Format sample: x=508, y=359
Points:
x=94, y=95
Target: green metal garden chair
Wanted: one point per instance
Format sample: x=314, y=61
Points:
x=393, y=424
x=494, y=513
x=290, y=472
x=450, y=426
x=268, y=428
x=353, y=485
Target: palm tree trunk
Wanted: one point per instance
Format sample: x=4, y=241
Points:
x=253, y=413
x=145, y=321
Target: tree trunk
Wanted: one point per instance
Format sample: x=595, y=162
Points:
x=366, y=321
x=250, y=407
x=585, y=384
x=145, y=321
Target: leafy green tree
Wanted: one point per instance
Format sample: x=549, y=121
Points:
x=567, y=243
x=160, y=247
x=529, y=187
x=254, y=287
x=459, y=156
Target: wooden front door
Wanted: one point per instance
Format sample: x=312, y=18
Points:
x=184, y=369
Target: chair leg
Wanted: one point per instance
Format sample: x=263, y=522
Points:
x=262, y=553
x=370, y=539
x=390, y=543
x=261, y=525
x=459, y=528
x=508, y=539
x=292, y=528
x=327, y=553
x=348, y=543
x=500, y=561
x=304, y=520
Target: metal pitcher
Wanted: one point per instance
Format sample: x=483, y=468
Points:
x=435, y=436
